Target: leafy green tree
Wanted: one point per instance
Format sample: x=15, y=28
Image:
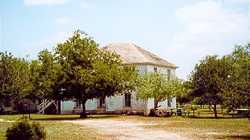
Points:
x=47, y=73
x=15, y=79
x=89, y=72
x=209, y=80
x=237, y=93
x=34, y=70
x=6, y=68
x=157, y=86
x=5, y=73
x=184, y=96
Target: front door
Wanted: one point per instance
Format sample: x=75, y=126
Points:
x=127, y=100
x=101, y=102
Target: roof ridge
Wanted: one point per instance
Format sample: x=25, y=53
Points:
x=152, y=54
x=131, y=53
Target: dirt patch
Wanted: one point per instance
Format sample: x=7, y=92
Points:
x=128, y=130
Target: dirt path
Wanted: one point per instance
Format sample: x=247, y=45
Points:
x=128, y=130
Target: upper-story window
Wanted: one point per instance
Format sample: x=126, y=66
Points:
x=142, y=69
x=155, y=69
x=169, y=73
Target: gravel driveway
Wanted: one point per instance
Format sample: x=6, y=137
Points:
x=128, y=130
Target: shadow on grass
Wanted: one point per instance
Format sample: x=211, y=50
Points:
x=236, y=137
x=70, y=117
x=210, y=117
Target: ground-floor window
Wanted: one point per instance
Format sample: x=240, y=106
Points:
x=102, y=102
x=127, y=100
x=169, y=102
x=78, y=103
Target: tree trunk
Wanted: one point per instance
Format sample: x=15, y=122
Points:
x=215, y=111
x=83, y=113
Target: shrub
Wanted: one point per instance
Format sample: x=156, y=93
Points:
x=24, y=130
x=160, y=112
x=25, y=106
x=163, y=112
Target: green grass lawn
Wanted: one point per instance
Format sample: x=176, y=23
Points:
x=56, y=129
x=198, y=128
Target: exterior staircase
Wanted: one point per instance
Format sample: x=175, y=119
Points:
x=45, y=104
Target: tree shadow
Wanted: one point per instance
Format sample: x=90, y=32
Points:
x=210, y=117
x=69, y=117
x=236, y=137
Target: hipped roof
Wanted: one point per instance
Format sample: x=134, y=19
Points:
x=133, y=54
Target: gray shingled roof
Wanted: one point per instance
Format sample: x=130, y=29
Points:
x=133, y=54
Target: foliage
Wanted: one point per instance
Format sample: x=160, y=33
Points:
x=25, y=106
x=209, y=80
x=15, y=78
x=184, y=96
x=157, y=86
x=24, y=130
x=47, y=72
x=76, y=69
x=237, y=93
x=223, y=80
x=87, y=72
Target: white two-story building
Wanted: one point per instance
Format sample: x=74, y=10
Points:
x=145, y=62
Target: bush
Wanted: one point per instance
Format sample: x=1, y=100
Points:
x=24, y=130
x=160, y=112
x=163, y=112
x=25, y=106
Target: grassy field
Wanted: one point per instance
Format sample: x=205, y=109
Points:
x=55, y=128
x=198, y=128
x=202, y=125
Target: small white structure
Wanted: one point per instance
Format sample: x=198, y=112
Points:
x=145, y=62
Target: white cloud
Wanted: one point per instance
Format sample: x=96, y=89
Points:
x=239, y=1
x=63, y=20
x=208, y=28
x=44, y=2
x=61, y=36
x=86, y=4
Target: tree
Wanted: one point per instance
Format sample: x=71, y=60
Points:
x=15, y=79
x=6, y=59
x=6, y=78
x=46, y=75
x=157, y=86
x=184, y=96
x=238, y=88
x=209, y=80
x=89, y=72
x=34, y=70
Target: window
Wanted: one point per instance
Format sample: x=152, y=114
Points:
x=169, y=102
x=142, y=69
x=169, y=74
x=102, y=102
x=127, y=100
x=155, y=69
x=78, y=103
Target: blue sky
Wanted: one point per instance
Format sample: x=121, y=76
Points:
x=180, y=31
